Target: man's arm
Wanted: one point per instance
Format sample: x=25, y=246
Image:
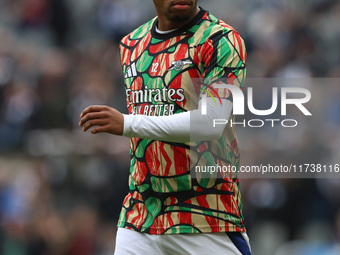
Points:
x=181, y=127
x=223, y=56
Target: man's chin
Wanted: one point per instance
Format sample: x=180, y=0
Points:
x=180, y=17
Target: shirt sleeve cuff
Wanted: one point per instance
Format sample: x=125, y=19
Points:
x=128, y=119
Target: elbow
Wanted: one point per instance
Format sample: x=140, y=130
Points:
x=209, y=134
x=206, y=130
x=216, y=128
x=216, y=132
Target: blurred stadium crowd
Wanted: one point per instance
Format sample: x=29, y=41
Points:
x=61, y=190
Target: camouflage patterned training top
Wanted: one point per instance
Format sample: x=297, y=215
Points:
x=165, y=196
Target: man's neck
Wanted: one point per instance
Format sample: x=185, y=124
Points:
x=164, y=24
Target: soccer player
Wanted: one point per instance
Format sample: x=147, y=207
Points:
x=173, y=66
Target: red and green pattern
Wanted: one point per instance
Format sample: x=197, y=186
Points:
x=164, y=197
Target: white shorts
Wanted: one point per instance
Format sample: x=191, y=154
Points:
x=130, y=242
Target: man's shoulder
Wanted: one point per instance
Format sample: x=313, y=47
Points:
x=212, y=25
x=139, y=32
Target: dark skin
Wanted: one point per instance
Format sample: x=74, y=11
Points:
x=172, y=14
x=104, y=118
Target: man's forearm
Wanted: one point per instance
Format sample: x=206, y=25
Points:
x=181, y=127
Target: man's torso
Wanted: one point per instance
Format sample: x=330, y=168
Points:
x=160, y=70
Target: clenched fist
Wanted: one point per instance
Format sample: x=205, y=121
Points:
x=103, y=118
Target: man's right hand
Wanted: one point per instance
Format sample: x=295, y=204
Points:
x=103, y=118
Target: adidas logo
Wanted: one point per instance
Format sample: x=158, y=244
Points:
x=131, y=71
